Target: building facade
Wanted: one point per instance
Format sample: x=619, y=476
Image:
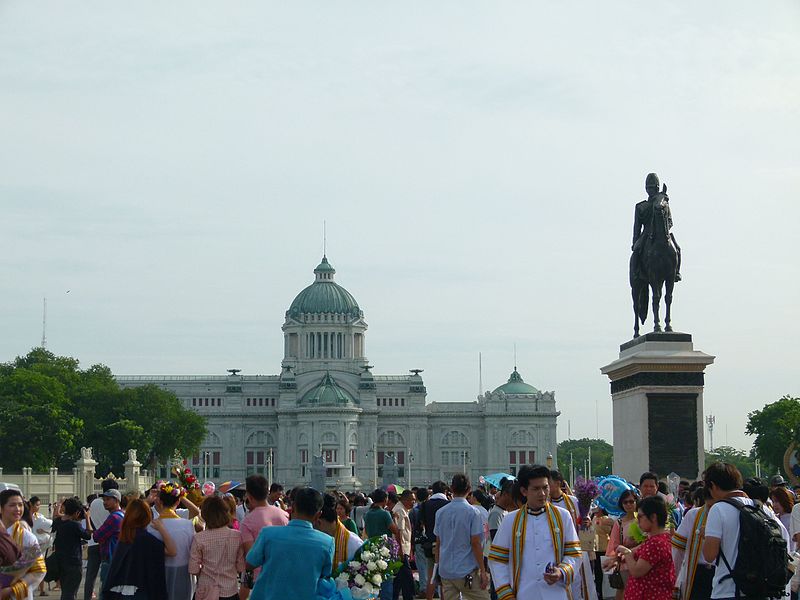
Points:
x=326, y=402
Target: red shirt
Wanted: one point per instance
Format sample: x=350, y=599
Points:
x=659, y=581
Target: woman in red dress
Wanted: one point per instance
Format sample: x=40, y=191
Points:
x=652, y=572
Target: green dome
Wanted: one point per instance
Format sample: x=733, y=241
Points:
x=324, y=296
x=327, y=393
x=516, y=385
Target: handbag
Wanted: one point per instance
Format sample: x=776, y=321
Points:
x=616, y=581
x=53, y=568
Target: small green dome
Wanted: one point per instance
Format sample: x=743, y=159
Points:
x=516, y=385
x=324, y=296
x=328, y=393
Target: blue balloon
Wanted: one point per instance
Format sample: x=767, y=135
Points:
x=611, y=489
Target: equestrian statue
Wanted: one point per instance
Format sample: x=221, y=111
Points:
x=655, y=256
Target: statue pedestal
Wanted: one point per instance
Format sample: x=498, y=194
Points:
x=657, y=397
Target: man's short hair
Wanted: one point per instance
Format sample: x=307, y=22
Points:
x=507, y=487
x=723, y=475
x=307, y=501
x=392, y=497
x=275, y=488
x=756, y=489
x=109, y=484
x=648, y=475
x=555, y=475
x=439, y=487
x=379, y=496
x=528, y=472
x=256, y=486
x=422, y=494
x=406, y=494
x=460, y=484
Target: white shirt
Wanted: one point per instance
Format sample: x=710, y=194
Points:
x=99, y=516
x=723, y=523
x=182, y=533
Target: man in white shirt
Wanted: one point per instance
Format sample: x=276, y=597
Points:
x=723, y=481
x=404, y=580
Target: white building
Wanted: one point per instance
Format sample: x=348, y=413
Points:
x=327, y=400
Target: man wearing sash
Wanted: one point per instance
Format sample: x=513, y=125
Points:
x=536, y=550
x=581, y=586
x=695, y=575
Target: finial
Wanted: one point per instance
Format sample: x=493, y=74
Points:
x=515, y=356
x=324, y=238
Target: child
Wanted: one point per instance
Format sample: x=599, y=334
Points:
x=652, y=572
x=217, y=554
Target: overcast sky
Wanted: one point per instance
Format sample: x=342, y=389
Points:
x=165, y=169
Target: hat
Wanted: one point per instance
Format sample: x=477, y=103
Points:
x=112, y=494
x=776, y=481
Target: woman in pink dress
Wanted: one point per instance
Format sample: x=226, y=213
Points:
x=652, y=572
x=217, y=555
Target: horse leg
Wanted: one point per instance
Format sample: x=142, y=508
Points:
x=668, y=302
x=635, y=294
x=656, y=287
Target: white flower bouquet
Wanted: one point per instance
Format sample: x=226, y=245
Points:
x=377, y=560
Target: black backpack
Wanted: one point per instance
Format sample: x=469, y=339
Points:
x=762, y=563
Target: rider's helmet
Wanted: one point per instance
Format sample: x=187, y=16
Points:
x=652, y=182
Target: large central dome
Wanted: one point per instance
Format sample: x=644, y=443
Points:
x=324, y=296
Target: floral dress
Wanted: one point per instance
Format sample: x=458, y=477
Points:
x=659, y=581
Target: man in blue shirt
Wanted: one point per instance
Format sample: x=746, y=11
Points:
x=459, y=546
x=295, y=557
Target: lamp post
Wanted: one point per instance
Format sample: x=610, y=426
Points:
x=410, y=462
x=269, y=468
x=374, y=452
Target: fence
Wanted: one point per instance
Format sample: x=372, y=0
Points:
x=81, y=482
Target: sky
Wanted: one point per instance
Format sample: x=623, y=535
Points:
x=166, y=169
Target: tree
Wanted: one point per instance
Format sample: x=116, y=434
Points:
x=775, y=426
x=738, y=458
x=49, y=408
x=602, y=456
x=37, y=427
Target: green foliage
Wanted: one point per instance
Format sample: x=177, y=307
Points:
x=602, y=456
x=775, y=426
x=49, y=408
x=742, y=461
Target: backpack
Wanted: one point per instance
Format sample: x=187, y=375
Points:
x=762, y=564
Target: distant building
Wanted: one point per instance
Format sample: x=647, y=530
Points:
x=326, y=401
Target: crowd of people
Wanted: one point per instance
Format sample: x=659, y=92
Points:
x=526, y=539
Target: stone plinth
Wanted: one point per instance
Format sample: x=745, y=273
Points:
x=657, y=396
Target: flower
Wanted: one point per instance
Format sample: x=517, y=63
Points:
x=377, y=579
x=382, y=564
x=371, y=566
x=385, y=553
x=354, y=564
x=359, y=580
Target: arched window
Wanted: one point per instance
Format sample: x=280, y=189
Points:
x=455, y=453
x=392, y=443
x=259, y=452
x=521, y=450
x=207, y=463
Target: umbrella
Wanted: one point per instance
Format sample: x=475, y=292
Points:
x=495, y=478
x=228, y=486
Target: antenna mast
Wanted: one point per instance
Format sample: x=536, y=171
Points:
x=710, y=420
x=480, y=374
x=44, y=323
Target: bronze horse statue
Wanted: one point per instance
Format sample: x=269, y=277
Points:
x=655, y=259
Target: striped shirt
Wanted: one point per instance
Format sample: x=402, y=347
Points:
x=217, y=556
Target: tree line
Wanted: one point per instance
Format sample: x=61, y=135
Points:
x=50, y=408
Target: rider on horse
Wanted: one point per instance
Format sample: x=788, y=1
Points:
x=643, y=224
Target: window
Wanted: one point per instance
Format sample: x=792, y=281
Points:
x=331, y=456
x=352, y=456
x=207, y=464
x=518, y=458
x=256, y=462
